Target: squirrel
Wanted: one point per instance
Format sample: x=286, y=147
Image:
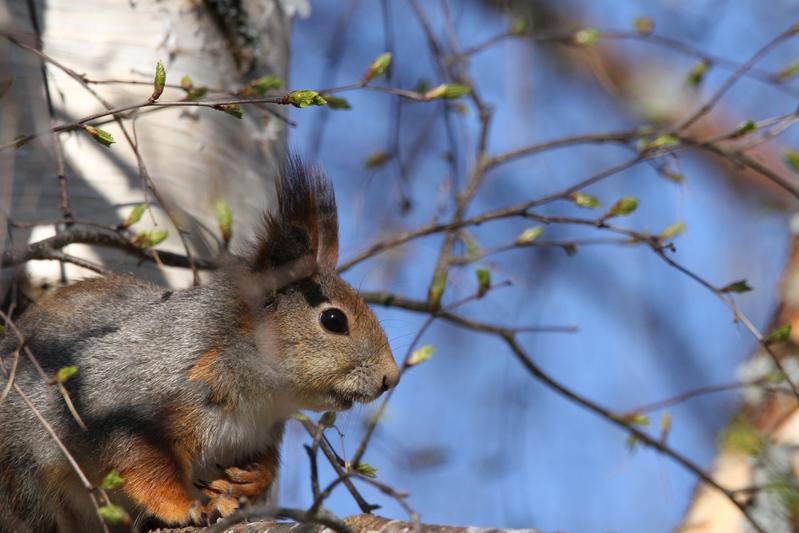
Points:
x=180, y=386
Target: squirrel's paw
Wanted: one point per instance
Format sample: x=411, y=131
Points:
x=224, y=494
x=252, y=480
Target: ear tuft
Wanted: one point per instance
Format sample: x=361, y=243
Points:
x=304, y=222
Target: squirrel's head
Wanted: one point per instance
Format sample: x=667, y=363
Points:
x=312, y=327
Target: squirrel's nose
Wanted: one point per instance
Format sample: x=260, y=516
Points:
x=391, y=378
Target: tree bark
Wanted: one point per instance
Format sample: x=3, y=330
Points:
x=194, y=158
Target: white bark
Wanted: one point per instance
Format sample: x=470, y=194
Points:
x=194, y=157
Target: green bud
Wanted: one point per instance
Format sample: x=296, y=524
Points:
x=158, y=82
x=101, y=136
x=328, y=419
x=112, y=480
x=157, y=236
x=376, y=160
x=483, y=281
x=234, y=110
x=587, y=37
x=305, y=98
x=781, y=334
x=788, y=72
x=661, y=141
x=643, y=25
x=436, y=290
x=584, y=200
x=745, y=127
x=529, y=235
x=65, y=372
x=519, y=25
x=114, y=514
x=134, y=216
x=678, y=228
x=334, y=102
x=224, y=217
x=697, y=73
x=378, y=66
x=737, y=286
x=186, y=83
x=262, y=85
x=448, y=91
x=421, y=355
x=195, y=94
x=625, y=206
x=366, y=470
x=792, y=159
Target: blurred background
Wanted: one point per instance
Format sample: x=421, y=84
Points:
x=471, y=436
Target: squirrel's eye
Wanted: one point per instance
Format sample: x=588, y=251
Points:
x=334, y=320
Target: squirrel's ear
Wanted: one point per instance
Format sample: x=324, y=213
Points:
x=304, y=223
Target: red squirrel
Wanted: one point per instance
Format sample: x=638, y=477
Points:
x=181, y=386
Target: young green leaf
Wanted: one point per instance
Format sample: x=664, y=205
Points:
x=195, y=94
x=157, y=236
x=584, y=200
x=421, y=355
x=745, y=127
x=529, y=235
x=328, y=419
x=483, y=281
x=737, y=286
x=637, y=418
x=65, y=372
x=304, y=98
x=643, y=25
x=262, y=85
x=376, y=160
x=792, y=159
x=625, y=206
x=436, y=291
x=632, y=442
x=587, y=36
x=781, y=334
x=234, y=110
x=378, y=66
x=366, y=470
x=224, y=217
x=678, y=228
x=742, y=437
x=158, y=81
x=186, y=82
x=114, y=514
x=519, y=25
x=134, y=216
x=447, y=91
x=697, y=73
x=335, y=102
x=788, y=72
x=148, y=238
x=112, y=480
x=2, y=330
x=101, y=136
x=665, y=426
x=299, y=417
x=661, y=141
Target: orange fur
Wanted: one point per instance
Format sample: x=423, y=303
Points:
x=157, y=482
x=206, y=371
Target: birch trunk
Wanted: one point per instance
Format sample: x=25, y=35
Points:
x=194, y=157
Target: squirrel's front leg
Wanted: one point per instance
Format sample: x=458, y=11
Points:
x=156, y=480
x=251, y=480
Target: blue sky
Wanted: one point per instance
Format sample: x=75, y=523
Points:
x=515, y=454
